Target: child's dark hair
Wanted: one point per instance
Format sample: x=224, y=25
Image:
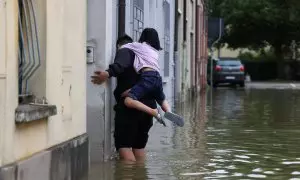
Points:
x=150, y=36
x=124, y=39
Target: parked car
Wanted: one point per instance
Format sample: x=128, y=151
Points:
x=230, y=71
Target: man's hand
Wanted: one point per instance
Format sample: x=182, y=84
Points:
x=100, y=77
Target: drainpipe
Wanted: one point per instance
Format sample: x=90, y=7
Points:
x=176, y=60
x=205, y=58
x=184, y=20
x=198, y=53
x=184, y=52
x=175, y=27
x=121, y=17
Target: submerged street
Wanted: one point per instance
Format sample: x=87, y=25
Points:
x=66, y=66
x=229, y=133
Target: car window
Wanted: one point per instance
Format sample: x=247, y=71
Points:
x=229, y=63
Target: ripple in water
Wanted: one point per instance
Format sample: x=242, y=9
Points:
x=296, y=173
x=256, y=176
x=238, y=174
x=220, y=171
x=291, y=162
x=193, y=174
x=241, y=160
x=242, y=156
x=257, y=170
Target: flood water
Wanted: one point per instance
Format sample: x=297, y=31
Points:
x=231, y=134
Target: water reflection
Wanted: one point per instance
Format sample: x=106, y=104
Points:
x=233, y=134
x=253, y=134
x=126, y=171
x=117, y=170
x=190, y=145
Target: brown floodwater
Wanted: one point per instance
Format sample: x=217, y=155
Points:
x=228, y=134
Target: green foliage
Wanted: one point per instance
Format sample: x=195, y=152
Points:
x=262, y=55
x=247, y=56
x=255, y=24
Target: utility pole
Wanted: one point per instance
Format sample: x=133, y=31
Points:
x=215, y=29
x=211, y=49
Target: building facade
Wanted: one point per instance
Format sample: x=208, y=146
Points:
x=190, y=47
x=42, y=89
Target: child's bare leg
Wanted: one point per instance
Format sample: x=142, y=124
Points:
x=131, y=103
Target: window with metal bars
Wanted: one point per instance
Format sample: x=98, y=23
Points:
x=138, y=18
x=184, y=20
x=166, y=7
x=29, y=48
x=192, y=14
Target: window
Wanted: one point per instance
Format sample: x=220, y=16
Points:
x=32, y=47
x=138, y=18
x=193, y=14
x=166, y=7
x=32, y=57
x=184, y=20
x=229, y=63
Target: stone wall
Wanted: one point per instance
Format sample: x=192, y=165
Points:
x=69, y=160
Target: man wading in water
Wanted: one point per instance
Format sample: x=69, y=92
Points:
x=131, y=126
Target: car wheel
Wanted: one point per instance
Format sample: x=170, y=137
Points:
x=242, y=84
x=208, y=82
x=215, y=85
x=233, y=85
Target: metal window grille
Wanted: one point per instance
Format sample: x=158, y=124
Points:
x=138, y=18
x=184, y=19
x=29, y=49
x=167, y=19
x=193, y=14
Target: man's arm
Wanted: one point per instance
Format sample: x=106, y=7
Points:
x=122, y=61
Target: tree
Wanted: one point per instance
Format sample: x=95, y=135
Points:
x=256, y=24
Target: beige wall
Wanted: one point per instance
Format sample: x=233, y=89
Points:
x=65, y=75
x=231, y=53
x=11, y=83
x=2, y=69
x=225, y=52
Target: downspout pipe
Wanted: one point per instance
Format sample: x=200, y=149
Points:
x=205, y=36
x=121, y=17
x=184, y=20
x=176, y=59
x=175, y=27
x=198, y=53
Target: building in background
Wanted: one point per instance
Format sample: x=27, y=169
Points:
x=42, y=89
x=190, y=47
